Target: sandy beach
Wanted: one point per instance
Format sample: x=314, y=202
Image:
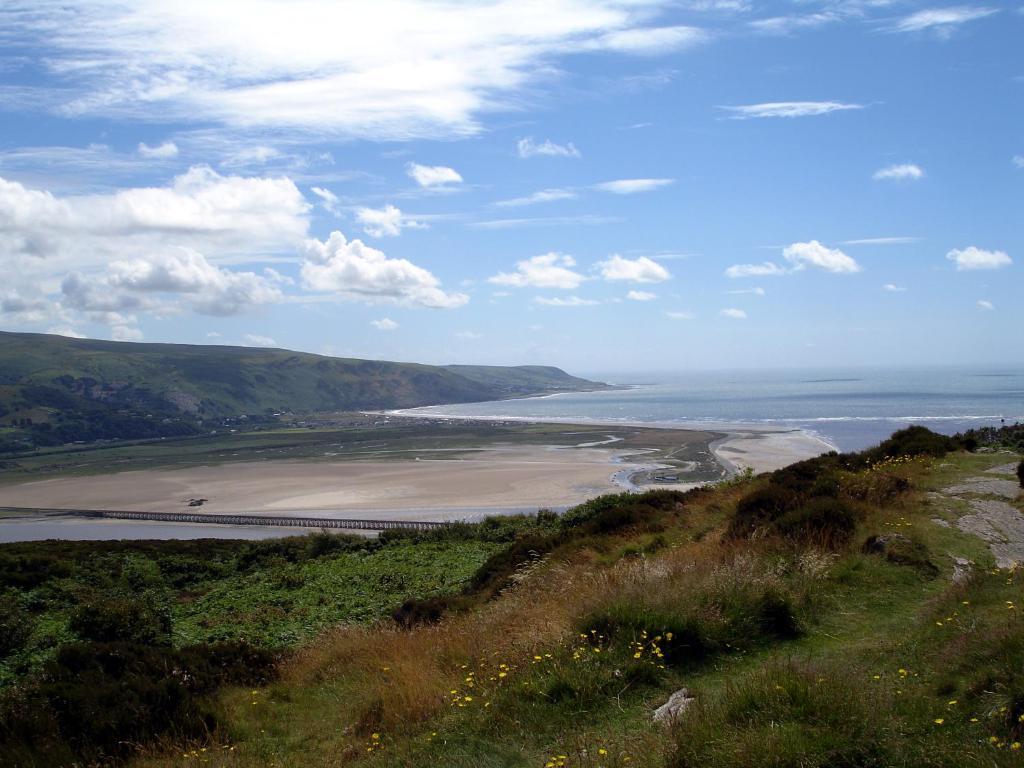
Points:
x=499, y=478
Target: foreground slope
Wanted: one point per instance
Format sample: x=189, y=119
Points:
x=82, y=389
x=834, y=613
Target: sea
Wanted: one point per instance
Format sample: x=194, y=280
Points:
x=850, y=409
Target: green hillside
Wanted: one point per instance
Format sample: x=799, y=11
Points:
x=55, y=389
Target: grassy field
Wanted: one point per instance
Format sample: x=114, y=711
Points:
x=801, y=641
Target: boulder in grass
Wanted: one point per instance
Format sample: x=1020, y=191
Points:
x=677, y=704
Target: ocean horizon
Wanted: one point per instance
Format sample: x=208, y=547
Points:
x=848, y=408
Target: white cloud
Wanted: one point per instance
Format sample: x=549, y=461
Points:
x=814, y=254
x=882, y=241
x=70, y=333
x=641, y=296
x=971, y=258
x=549, y=270
x=639, y=270
x=742, y=291
x=571, y=301
x=765, y=269
x=542, y=196
x=546, y=221
x=125, y=333
x=328, y=200
x=679, y=315
x=354, y=270
x=984, y=304
x=432, y=175
x=388, y=221
x=215, y=214
x=789, y=109
x=942, y=21
x=164, y=151
x=384, y=324
x=733, y=314
x=632, y=186
x=893, y=288
x=529, y=148
x=390, y=70
x=784, y=25
x=255, y=340
x=131, y=284
x=902, y=172
x=468, y=335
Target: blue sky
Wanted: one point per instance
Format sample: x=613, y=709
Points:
x=618, y=185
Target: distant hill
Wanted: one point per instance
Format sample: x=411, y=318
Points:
x=55, y=389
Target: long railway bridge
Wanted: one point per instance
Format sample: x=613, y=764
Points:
x=212, y=519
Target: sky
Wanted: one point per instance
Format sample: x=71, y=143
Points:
x=603, y=185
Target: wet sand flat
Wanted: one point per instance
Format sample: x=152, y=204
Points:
x=500, y=478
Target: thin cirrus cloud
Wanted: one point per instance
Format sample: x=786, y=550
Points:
x=800, y=256
x=733, y=314
x=632, y=186
x=570, y=301
x=641, y=296
x=788, y=109
x=527, y=148
x=942, y=21
x=679, y=315
x=392, y=70
x=785, y=25
x=430, y=176
x=540, y=196
x=900, y=172
x=973, y=258
x=163, y=151
x=893, y=288
x=986, y=305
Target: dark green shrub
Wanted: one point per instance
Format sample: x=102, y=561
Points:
x=117, y=619
x=683, y=638
x=913, y=441
x=761, y=507
x=900, y=550
x=15, y=627
x=1020, y=474
x=824, y=521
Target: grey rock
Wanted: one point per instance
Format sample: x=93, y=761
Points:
x=986, y=486
x=999, y=524
x=677, y=704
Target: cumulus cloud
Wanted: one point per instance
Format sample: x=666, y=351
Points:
x=549, y=270
x=733, y=314
x=764, y=269
x=639, y=270
x=901, y=172
x=941, y=21
x=200, y=209
x=384, y=324
x=632, y=186
x=641, y=296
x=125, y=333
x=432, y=175
x=800, y=256
x=388, y=221
x=986, y=305
x=394, y=70
x=814, y=254
x=571, y=301
x=355, y=271
x=529, y=148
x=972, y=258
x=133, y=284
x=255, y=340
x=788, y=109
x=163, y=151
